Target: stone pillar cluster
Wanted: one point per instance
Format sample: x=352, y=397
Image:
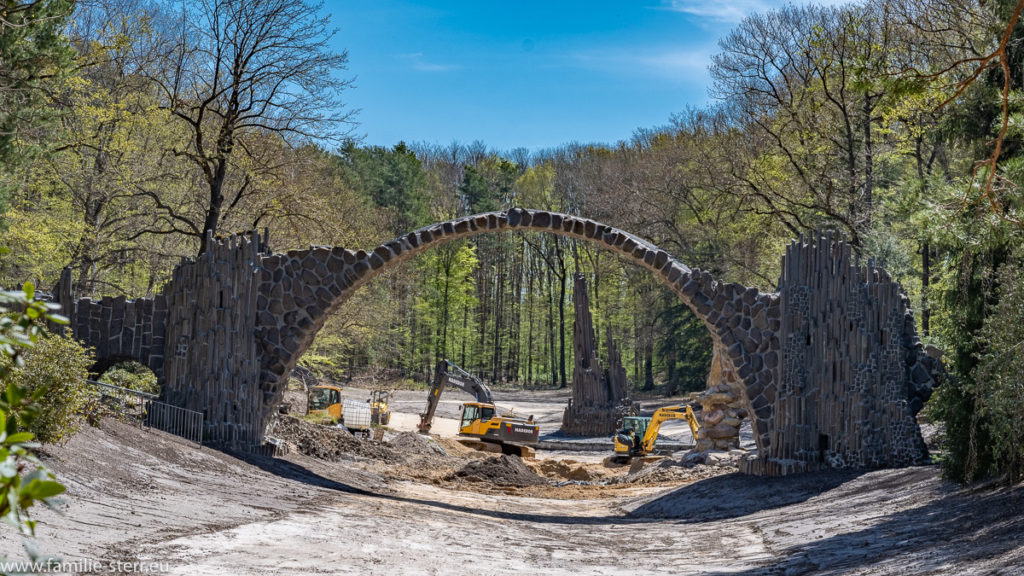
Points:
x=600, y=397
x=853, y=373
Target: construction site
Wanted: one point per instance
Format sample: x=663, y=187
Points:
x=793, y=460
x=142, y=500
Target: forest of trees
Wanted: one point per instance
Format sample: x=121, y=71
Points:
x=131, y=128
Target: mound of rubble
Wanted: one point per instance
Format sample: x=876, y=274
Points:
x=501, y=470
x=410, y=447
x=323, y=442
x=694, y=466
x=331, y=443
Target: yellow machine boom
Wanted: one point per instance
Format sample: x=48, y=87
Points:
x=629, y=444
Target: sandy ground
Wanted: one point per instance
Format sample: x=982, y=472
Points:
x=159, y=505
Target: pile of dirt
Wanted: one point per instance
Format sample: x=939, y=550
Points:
x=501, y=470
x=669, y=470
x=565, y=470
x=410, y=447
x=324, y=442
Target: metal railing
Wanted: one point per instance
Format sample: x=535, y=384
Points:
x=151, y=413
x=182, y=422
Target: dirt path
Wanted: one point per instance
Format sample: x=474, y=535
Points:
x=144, y=497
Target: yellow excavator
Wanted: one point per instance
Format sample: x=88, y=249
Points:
x=638, y=434
x=481, y=425
x=326, y=400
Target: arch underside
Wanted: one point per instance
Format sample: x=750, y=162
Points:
x=300, y=288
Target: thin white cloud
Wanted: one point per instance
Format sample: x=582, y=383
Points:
x=734, y=10
x=669, y=63
x=420, y=64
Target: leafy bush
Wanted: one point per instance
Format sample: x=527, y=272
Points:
x=23, y=479
x=132, y=375
x=982, y=408
x=999, y=375
x=54, y=372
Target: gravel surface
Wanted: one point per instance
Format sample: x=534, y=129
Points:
x=400, y=507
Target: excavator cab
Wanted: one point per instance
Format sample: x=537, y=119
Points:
x=630, y=435
x=638, y=424
x=470, y=412
x=325, y=400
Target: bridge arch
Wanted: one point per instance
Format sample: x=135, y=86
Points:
x=301, y=288
x=829, y=368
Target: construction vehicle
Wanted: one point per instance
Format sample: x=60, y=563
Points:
x=481, y=425
x=639, y=434
x=326, y=400
x=380, y=407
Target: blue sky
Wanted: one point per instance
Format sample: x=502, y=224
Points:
x=528, y=73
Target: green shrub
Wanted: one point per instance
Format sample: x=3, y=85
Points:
x=999, y=375
x=982, y=407
x=58, y=366
x=132, y=375
x=23, y=479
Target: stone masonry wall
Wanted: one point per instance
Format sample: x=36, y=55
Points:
x=117, y=329
x=829, y=369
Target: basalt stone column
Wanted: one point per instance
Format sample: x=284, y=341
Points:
x=212, y=361
x=851, y=373
x=599, y=396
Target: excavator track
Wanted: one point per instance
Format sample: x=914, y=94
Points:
x=498, y=448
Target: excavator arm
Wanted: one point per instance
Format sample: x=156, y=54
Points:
x=450, y=374
x=668, y=413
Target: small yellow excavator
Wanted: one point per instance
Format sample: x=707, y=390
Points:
x=481, y=425
x=639, y=434
x=325, y=399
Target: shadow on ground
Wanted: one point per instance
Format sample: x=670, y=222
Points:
x=717, y=498
x=983, y=531
x=735, y=495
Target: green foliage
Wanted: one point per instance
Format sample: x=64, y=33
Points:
x=982, y=407
x=686, y=349
x=35, y=55
x=20, y=490
x=54, y=373
x=132, y=375
x=489, y=185
x=393, y=178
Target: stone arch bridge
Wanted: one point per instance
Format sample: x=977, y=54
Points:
x=828, y=369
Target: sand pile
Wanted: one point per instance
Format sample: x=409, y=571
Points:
x=501, y=470
x=565, y=469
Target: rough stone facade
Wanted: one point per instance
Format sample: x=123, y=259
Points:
x=723, y=406
x=600, y=397
x=236, y=321
x=853, y=372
